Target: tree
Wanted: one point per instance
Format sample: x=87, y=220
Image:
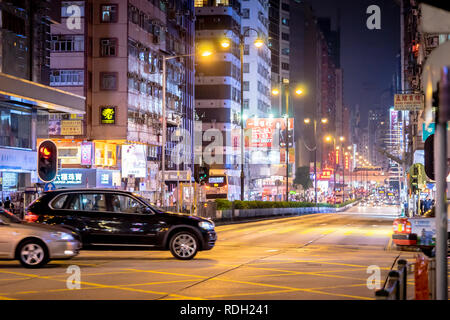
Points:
x=302, y=178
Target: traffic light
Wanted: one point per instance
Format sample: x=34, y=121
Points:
x=47, y=161
x=429, y=157
x=201, y=173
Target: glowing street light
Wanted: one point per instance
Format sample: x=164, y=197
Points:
x=225, y=43
x=259, y=42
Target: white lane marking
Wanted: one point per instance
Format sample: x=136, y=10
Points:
x=272, y=250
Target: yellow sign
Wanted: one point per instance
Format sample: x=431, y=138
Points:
x=71, y=127
x=108, y=115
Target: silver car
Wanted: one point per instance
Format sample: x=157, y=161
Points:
x=34, y=245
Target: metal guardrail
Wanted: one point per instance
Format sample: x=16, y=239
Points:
x=395, y=286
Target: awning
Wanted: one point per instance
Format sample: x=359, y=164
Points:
x=40, y=95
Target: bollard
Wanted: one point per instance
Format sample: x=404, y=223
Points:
x=403, y=270
x=432, y=278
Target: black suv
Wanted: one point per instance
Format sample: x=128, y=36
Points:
x=113, y=218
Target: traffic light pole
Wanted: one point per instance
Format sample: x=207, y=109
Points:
x=440, y=165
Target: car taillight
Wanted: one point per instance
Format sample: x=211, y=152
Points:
x=31, y=217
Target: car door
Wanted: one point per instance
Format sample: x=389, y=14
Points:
x=100, y=226
x=6, y=238
x=141, y=224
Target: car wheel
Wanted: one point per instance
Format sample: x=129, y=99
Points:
x=184, y=245
x=33, y=254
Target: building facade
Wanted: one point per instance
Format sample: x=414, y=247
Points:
x=218, y=89
x=26, y=99
x=114, y=57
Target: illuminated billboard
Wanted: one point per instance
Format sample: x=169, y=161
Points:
x=263, y=131
x=134, y=161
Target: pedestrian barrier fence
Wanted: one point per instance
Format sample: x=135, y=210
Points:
x=396, y=284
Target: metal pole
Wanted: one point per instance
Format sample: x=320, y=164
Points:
x=287, y=142
x=178, y=177
x=335, y=168
x=241, y=46
x=164, y=129
x=343, y=176
x=440, y=165
x=315, y=162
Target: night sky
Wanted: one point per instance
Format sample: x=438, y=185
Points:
x=368, y=57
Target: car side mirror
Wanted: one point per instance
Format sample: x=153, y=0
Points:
x=147, y=210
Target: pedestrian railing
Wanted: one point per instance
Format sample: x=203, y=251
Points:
x=396, y=284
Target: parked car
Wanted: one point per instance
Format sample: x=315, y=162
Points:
x=122, y=219
x=34, y=245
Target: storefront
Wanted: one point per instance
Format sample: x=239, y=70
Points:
x=24, y=111
x=87, y=178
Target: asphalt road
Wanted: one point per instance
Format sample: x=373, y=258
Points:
x=320, y=256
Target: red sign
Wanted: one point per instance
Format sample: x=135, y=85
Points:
x=326, y=174
x=263, y=129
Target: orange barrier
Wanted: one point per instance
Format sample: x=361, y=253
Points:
x=422, y=291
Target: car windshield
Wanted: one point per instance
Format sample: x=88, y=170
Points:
x=8, y=217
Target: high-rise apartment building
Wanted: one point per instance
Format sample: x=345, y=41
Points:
x=113, y=55
x=218, y=86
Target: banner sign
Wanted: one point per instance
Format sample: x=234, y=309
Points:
x=263, y=130
x=71, y=127
x=408, y=102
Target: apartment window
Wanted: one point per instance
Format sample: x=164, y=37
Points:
x=246, y=67
x=246, y=49
x=67, y=43
x=285, y=66
x=108, y=47
x=67, y=78
x=246, y=86
x=285, y=6
x=108, y=80
x=285, y=21
x=246, y=13
x=285, y=36
x=108, y=13
x=246, y=103
x=285, y=51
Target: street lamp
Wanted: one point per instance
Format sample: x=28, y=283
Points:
x=308, y=121
x=258, y=43
x=204, y=52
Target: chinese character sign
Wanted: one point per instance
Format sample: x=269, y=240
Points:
x=264, y=129
x=408, y=102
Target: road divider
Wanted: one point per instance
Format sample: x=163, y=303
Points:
x=242, y=215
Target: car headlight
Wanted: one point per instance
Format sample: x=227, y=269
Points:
x=206, y=225
x=63, y=236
